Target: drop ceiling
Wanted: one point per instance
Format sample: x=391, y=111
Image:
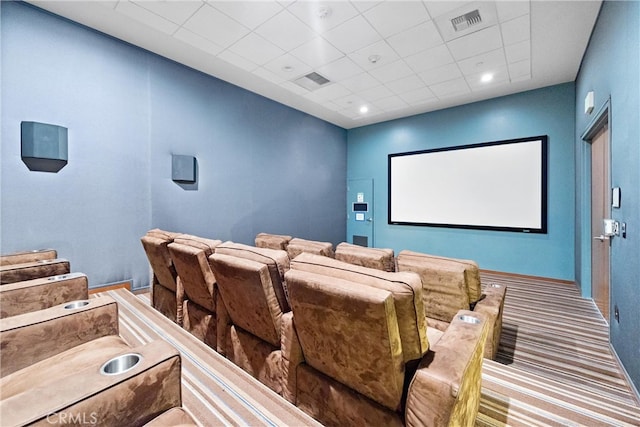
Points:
x=382, y=59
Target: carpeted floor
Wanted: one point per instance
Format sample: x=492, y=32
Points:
x=554, y=366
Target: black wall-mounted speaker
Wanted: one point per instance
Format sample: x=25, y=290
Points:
x=44, y=146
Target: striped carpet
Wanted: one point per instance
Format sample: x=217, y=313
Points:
x=554, y=366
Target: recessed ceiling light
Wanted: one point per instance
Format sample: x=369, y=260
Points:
x=287, y=68
x=324, y=12
x=486, y=78
x=374, y=58
x=364, y=109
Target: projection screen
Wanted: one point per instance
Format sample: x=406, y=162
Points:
x=498, y=185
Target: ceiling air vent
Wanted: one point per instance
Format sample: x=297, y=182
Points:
x=311, y=81
x=467, y=20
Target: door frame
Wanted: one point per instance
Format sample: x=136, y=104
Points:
x=601, y=118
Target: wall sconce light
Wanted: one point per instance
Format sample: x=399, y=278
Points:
x=43, y=146
x=183, y=168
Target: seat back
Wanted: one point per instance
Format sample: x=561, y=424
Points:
x=378, y=258
x=297, y=246
x=272, y=241
x=190, y=258
x=248, y=295
x=28, y=256
x=158, y=254
x=406, y=289
x=277, y=261
x=350, y=333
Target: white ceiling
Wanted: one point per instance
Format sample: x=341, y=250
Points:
x=397, y=58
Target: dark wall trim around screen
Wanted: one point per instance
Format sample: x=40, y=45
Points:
x=500, y=185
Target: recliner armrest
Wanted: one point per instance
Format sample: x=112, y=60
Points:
x=33, y=270
x=32, y=337
x=292, y=357
x=446, y=387
x=28, y=256
x=491, y=305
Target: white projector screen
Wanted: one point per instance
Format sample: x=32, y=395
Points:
x=497, y=186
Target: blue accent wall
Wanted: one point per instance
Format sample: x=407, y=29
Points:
x=611, y=69
x=261, y=166
x=549, y=111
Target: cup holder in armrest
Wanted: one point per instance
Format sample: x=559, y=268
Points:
x=469, y=319
x=60, y=277
x=120, y=364
x=76, y=304
x=495, y=285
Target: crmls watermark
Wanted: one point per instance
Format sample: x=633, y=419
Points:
x=74, y=419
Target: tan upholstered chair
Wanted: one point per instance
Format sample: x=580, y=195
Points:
x=251, y=327
x=297, y=246
x=28, y=256
x=177, y=417
x=365, y=355
x=378, y=258
x=452, y=284
x=272, y=241
x=12, y=273
x=37, y=294
x=164, y=288
x=197, y=283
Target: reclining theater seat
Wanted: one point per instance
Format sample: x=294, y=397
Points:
x=378, y=258
x=272, y=241
x=12, y=273
x=355, y=369
x=198, y=284
x=164, y=289
x=452, y=284
x=28, y=256
x=297, y=246
x=37, y=294
x=252, y=315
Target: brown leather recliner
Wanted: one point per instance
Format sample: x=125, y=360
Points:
x=453, y=284
x=164, y=289
x=297, y=246
x=37, y=294
x=197, y=284
x=272, y=241
x=378, y=258
x=254, y=310
x=364, y=355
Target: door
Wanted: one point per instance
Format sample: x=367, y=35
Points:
x=360, y=212
x=600, y=209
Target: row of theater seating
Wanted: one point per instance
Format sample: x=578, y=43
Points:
x=341, y=334
x=63, y=361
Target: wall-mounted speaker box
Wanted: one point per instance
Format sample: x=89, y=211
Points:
x=183, y=168
x=44, y=146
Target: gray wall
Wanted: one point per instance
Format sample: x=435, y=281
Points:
x=262, y=166
x=611, y=69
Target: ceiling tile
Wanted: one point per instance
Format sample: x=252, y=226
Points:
x=518, y=52
x=405, y=84
x=450, y=88
x=437, y=8
x=422, y=36
x=390, y=103
x=352, y=35
x=520, y=69
x=430, y=58
x=392, y=17
x=323, y=15
x=440, y=74
x=328, y=93
x=341, y=69
x=507, y=10
x=391, y=72
x=288, y=67
x=489, y=61
x=198, y=41
x=417, y=96
x=212, y=24
x=380, y=49
x=475, y=43
x=360, y=82
x=317, y=52
x=286, y=31
x=375, y=93
x=249, y=13
x=175, y=11
x=500, y=76
x=516, y=30
x=297, y=89
x=147, y=17
x=268, y=75
x=237, y=60
x=256, y=49
x=350, y=101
